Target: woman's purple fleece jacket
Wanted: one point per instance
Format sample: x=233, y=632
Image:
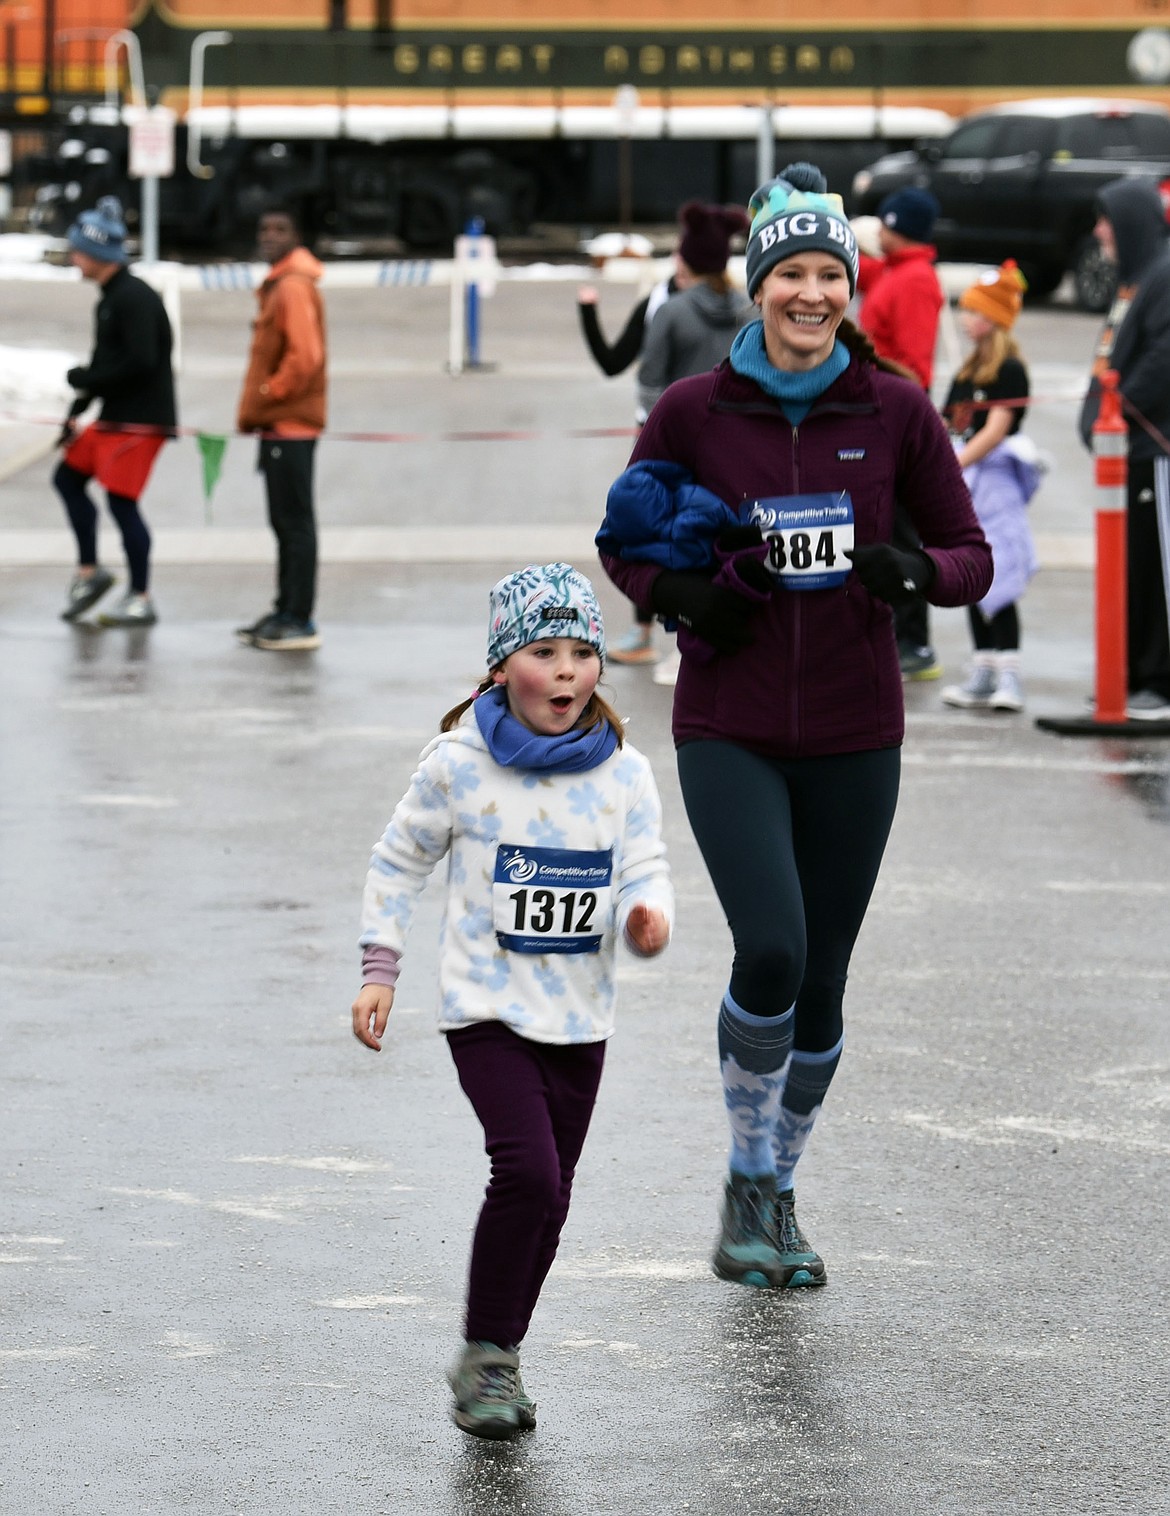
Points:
x=823, y=674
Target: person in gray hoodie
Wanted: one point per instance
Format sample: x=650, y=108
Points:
x=693, y=332
x=1132, y=232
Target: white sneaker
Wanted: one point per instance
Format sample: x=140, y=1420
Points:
x=1009, y=694
x=1147, y=705
x=666, y=671
x=976, y=693
x=132, y=610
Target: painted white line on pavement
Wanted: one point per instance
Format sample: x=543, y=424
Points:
x=1111, y=887
x=1012, y=1131
x=325, y=1165
x=1038, y=763
x=146, y=802
x=230, y=1207
x=369, y=1302
x=33, y=548
x=46, y=1355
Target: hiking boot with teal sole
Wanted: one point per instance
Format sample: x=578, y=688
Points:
x=747, y=1252
x=801, y=1265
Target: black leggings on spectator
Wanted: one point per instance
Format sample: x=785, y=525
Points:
x=71, y=486
x=995, y=634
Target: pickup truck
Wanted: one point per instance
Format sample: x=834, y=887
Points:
x=1019, y=180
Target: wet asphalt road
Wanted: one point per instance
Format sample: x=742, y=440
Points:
x=233, y=1242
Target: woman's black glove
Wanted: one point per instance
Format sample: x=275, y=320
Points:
x=892, y=575
x=733, y=539
x=718, y=615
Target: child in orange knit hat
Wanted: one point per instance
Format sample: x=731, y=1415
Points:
x=985, y=410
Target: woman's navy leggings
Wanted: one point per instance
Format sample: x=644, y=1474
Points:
x=793, y=847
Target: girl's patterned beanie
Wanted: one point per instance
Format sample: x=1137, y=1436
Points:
x=101, y=232
x=793, y=214
x=542, y=600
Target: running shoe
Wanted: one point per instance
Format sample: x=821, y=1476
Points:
x=976, y=693
x=800, y=1264
x=919, y=663
x=132, y=610
x=285, y=634
x=1009, y=692
x=637, y=646
x=248, y=634
x=84, y=591
x=746, y=1252
x=1147, y=705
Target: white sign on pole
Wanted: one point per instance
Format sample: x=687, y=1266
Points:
x=477, y=262
x=152, y=141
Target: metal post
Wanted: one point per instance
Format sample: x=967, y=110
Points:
x=765, y=146
x=455, y=321
x=148, y=213
x=474, y=231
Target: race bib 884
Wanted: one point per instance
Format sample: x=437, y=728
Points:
x=807, y=538
x=551, y=900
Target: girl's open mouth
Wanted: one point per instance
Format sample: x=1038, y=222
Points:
x=561, y=703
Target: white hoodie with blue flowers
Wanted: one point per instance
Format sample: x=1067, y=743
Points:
x=544, y=870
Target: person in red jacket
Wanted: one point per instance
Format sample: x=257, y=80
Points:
x=902, y=301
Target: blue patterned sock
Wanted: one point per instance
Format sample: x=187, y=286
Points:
x=752, y=1054
x=806, y=1082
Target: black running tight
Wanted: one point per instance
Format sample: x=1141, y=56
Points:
x=793, y=847
x=71, y=486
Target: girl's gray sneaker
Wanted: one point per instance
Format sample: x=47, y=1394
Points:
x=486, y=1384
x=84, y=591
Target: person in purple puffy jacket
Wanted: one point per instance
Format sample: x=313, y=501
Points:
x=985, y=409
x=788, y=714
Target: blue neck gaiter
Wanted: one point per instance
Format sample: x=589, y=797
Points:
x=795, y=390
x=513, y=746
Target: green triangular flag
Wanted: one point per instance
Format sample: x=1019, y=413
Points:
x=211, y=450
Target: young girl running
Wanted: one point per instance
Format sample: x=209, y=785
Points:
x=1001, y=472
x=553, y=824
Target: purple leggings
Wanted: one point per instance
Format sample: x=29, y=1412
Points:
x=535, y=1101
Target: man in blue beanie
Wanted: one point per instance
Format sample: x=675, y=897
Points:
x=130, y=373
x=900, y=313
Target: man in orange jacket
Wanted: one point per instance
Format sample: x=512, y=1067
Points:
x=283, y=399
x=900, y=313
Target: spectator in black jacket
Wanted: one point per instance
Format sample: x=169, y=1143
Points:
x=130, y=373
x=1136, y=342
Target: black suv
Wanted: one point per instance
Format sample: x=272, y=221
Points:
x=1019, y=181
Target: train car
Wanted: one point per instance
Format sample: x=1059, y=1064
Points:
x=406, y=118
